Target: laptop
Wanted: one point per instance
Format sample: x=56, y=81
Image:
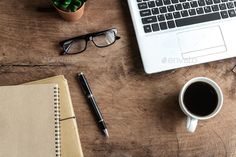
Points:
x=179, y=33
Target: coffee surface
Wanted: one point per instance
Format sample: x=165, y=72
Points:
x=200, y=99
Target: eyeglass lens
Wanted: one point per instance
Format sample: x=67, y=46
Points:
x=104, y=39
x=77, y=46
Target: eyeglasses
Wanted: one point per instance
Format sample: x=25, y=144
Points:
x=79, y=44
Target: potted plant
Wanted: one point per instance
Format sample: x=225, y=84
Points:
x=70, y=10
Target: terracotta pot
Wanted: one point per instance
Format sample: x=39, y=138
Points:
x=71, y=16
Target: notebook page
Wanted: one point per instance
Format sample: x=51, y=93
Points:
x=27, y=121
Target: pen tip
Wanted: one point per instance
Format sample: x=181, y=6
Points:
x=106, y=132
x=80, y=73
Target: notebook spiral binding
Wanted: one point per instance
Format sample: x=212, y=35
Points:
x=57, y=122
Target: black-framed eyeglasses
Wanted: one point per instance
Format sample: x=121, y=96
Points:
x=79, y=44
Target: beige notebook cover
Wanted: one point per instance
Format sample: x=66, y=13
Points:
x=29, y=121
x=70, y=141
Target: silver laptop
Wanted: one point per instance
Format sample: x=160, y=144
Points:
x=178, y=33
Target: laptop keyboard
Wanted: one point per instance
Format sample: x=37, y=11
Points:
x=168, y=14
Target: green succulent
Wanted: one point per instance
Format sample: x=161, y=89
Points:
x=68, y=5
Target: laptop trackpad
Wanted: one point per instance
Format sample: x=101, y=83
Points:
x=201, y=42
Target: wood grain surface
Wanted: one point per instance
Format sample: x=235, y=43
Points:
x=141, y=111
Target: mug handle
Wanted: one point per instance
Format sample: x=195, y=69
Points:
x=191, y=124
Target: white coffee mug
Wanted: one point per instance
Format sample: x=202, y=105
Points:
x=192, y=119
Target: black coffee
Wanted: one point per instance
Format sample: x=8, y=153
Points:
x=200, y=99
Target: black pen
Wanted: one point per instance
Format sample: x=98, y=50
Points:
x=91, y=100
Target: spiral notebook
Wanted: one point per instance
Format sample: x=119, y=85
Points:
x=70, y=140
x=29, y=121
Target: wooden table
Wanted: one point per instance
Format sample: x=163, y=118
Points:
x=141, y=111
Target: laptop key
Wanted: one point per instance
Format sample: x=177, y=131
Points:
x=184, y=13
x=224, y=0
x=178, y=7
x=142, y=5
x=182, y=0
x=193, y=4
x=176, y=15
x=222, y=6
x=161, y=17
x=175, y=1
x=163, y=25
x=209, y=2
x=151, y=4
x=207, y=9
x=215, y=8
x=186, y=5
x=192, y=12
x=150, y=19
x=169, y=16
x=216, y=1
x=155, y=11
x=139, y=1
x=167, y=2
x=155, y=27
x=171, y=24
x=159, y=3
x=146, y=12
x=163, y=9
x=170, y=8
x=199, y=10
x=232, y=13
x=201, y=3
x=230, y=5
x=224, y=14
x=197, y=19
x=147, y=29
